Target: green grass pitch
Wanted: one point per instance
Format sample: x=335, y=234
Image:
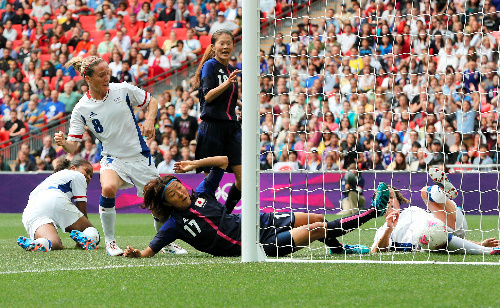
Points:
x=74, y=278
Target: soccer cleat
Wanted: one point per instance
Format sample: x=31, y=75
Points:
x=356, y=249
x=112, y=249
x=30, y=245
x=382, y=196
x=495, y=251
x=440, y=178
x=174, y=249
x=82, y=240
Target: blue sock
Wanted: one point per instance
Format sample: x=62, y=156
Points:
x=106, y=202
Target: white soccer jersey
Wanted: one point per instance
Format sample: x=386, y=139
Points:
x=112, y=120
x=70, y=183
x=410, y=220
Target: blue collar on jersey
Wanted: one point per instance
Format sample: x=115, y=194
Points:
x=168, y=183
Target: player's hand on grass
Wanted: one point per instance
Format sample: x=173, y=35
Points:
x=490, y=242
x=59, y=138
x=132, y=253
x=392, y=217
x=183, y=166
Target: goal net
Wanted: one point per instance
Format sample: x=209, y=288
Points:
x=357, y=93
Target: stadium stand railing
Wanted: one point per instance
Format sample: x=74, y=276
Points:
x=33, y=138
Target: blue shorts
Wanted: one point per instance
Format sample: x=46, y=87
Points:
x=219, y=138
x=275, y=234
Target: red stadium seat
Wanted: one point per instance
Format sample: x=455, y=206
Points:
x=47, y=27
x=160, y=24
x=88, y=22
x=205, y=40
x=161, y=40
x=77, y=78
x=181, y=33
x=17, y=43
x=97, y=34
x=19, y=29
x=105, y=56
x=44, y=58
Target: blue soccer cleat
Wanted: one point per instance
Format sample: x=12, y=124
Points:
x=495, y=251
x=381, y=199
x=82, y=240
x=30, y=245
x=356, y=249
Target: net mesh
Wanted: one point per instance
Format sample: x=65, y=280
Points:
x=381, y=91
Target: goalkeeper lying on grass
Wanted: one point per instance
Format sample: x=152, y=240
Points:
x=400, y=232
x=201, y=221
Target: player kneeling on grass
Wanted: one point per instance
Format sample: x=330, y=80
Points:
x=402, y=230
x=50, y=205
x=201, y=221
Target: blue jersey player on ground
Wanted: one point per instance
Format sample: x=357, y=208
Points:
x=201, y=221
x=219, y=132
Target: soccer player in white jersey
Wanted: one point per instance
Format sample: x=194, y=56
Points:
x=400, y=230
x=50, y=205
x=107, y=110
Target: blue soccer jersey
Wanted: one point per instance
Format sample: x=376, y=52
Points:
x=212, y=74
x=205, y=224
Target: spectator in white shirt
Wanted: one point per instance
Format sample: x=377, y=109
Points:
x=346, y=39
x=9, y=33
x=447, y=59
x=122, y=41
x=116, y=65
x=232, y=11
x=413, y=88
x=191, y=45
x=167, y=165
x=222, y=23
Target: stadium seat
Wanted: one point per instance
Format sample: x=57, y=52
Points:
x=205, y=40
x=16, y=43
x=77, y=78
x=97, y=34
x=19, y=29
x=88, y=22
x=161, y=40
x=105, y=56
x=44, y=58
x=181, y=33
x=46, y=27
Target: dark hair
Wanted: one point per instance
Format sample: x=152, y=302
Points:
x=66, y=164
x=209, y=53
x=153, y=201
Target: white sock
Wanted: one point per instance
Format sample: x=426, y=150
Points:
x=462, y=246
x=92, y=233
x=45, y=243
x=108, y=218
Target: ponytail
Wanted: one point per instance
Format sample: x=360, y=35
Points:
x=209, y=54
x=85, y=66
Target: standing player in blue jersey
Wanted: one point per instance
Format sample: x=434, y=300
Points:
x=201, y=221
x=50, y=205
x=107, y=110
x=219, y=132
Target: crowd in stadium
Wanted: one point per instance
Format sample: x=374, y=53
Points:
x=383, y=85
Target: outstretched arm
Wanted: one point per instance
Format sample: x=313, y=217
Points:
x=136, y=253
x=186, y=166
x=212, y=94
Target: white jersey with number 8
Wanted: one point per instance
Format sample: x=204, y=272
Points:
x=112, y=120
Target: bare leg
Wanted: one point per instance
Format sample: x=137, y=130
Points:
x=80, y=225
x=446, y=212
x=306, y=234
x=49, y=232
x=302, y=219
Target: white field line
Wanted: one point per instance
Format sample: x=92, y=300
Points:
x=379, y=262
x=111, y=267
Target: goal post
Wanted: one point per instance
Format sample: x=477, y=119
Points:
x=250, y=125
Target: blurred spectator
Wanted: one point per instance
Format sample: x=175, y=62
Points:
x=202, y=28
x=178, y=55
x=222, y=23
x=4, y=166
x=122, y=41
x=125, y=75
x=145, y=13
x=169, y=13
x=34, y=116
x=185, y=125
x=483, y=158
x=14, y=126
x=139, y=70
x=167, y=165
x=69, y=97
x=105, y=46
x=110, y=21
x=47, y=149
x=191, y=46
x=54, y=109
x=23, y=164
